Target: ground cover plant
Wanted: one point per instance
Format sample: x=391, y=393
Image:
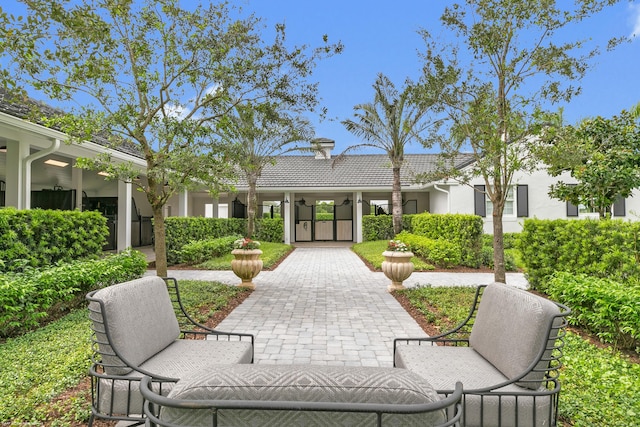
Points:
x=371, y=253
x=599, y=385
x=38, y=366
x=272, y=254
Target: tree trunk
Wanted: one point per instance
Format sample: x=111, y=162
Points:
x=160, y=244
x=499, y=272
x=252, y=205
x=396, y=201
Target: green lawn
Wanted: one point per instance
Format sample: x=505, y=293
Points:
x=372, y=252
x=272, y=253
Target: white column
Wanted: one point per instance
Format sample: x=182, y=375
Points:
x=15, y=185
x=76, y=183
x=124, y=215
x=359, y=203
x=287, y=211
x=183, y=203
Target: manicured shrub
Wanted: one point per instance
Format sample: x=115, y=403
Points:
x=26, y=297
x=463, y=230
x=439, y=252
x=604, y=307
x=202, y=250
x=182, y=230
x=380, y=227
x=606, y=249
x=39, y=238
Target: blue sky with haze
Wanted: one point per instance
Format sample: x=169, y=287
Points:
x=380, y=36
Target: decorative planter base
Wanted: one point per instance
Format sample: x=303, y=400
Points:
x=246, y=265
x=397, y=266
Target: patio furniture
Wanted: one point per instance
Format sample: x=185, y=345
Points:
x=138, y=330
x=301, y=395
x=506, y=353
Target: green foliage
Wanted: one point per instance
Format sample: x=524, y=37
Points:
x=602, y=155
x=270, y=230
x=606, y=249
x=444, y=307
x=380, y=227
x=202, y=250
x=371, y=253
x=26, y=298
x=442, y=253
x=181, y=231
x=272, y=254
x=466, y=231
x=37, y=238
x=324, y=216
x=607, y=308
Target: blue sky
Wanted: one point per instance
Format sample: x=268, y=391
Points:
x=381, y=36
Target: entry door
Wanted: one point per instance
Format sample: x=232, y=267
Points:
x=304, y=223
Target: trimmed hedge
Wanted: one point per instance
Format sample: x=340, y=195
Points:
x=38, y=238
x=442, y=253
x=380, y=227
x=26, y=297
x=202, y=250
x=605, y=249
x=607, y=308
x=466, y=231
x=183, y=230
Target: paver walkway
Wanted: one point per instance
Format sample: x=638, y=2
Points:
x=323, y=306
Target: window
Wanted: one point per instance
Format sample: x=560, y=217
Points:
x=516, y=204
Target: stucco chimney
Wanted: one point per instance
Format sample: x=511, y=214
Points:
x=323, y=147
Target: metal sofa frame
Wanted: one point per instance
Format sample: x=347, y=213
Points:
x=154, y=402
x=101, y=382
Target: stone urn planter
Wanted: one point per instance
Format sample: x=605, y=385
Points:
x=397, y=266
x=246, y=265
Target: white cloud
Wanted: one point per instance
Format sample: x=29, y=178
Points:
x=635, y=20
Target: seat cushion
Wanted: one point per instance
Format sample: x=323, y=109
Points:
x=181, y=359
x=511, y=327
x=303, y=383
x=443, y=366
x=140, y=318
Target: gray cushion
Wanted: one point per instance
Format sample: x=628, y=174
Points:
x=182, y=358
x=136, y=332
x=303, y=383
x=511, y=327
x=443, y=366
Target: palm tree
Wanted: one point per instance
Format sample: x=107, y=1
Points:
x=259, y=134
x=392, y=121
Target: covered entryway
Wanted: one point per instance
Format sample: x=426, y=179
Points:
x=323, y=221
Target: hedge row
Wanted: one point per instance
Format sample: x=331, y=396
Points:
x=605, y=307
x=182, y=230
x=465, y=231
x=442, y=253
x=604, y=249
x=38, y=238
x=26, y=297
x=201, y=250
x=380, y=227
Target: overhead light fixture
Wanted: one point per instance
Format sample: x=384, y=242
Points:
x=56, y=163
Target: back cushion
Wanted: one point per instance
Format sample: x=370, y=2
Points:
x=140, y=319
x=511, y=327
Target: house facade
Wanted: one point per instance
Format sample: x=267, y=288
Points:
x=320, y=197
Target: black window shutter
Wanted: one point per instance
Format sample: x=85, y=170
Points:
x=479, y=204
x=619, y=207
x=522, y=200
x=572, y=210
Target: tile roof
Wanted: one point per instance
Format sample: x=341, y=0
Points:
x=369, y=170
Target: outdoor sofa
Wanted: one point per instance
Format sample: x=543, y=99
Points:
x=507, y=354
x=139, y=330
